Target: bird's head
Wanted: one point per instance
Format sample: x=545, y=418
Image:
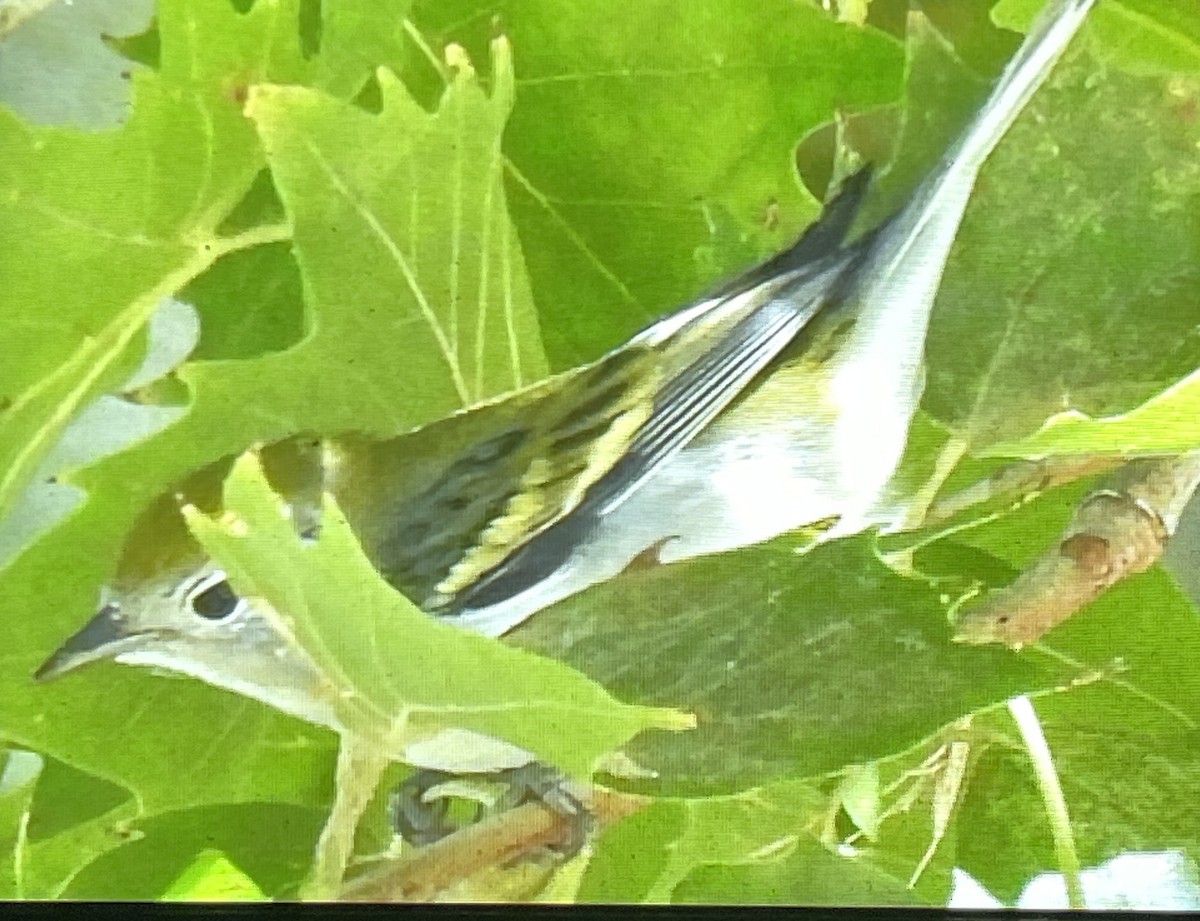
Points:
x=190, y=621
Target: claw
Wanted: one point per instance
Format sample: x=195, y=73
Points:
x=420, y=814
x=420, y=811
x=536, y=782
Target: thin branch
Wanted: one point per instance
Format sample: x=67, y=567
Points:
x=1116, y=532
x=497, y=841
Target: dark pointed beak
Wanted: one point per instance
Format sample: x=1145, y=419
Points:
x=102, y=637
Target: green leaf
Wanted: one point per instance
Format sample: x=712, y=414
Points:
x=439, y=258
x=1167, y=423
x=621, y=120
x=356, y=40
x=56, y=862
x=184, y=158
x=646, y=857
x=345, y=374
x=1092, y=309
x=395, y=675
x=72, y=825
x=860, y=794
x=1144, y=630
x=1123, y=739
x=809, y=875
x=211, y=877
x=1124, y=792
x=794, y=665
x=250, y=303
x=666, y=851
x=921, y=807
x=270, y=842
x=106, y=426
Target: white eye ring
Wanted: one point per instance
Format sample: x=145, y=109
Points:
x=212, y=599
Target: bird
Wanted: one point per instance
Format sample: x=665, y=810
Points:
x=778, y=400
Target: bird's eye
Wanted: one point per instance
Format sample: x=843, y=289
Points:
x=215, y=602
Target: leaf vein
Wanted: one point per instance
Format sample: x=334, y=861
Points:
x=402, y=263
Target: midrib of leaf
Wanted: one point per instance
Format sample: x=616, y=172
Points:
x=1130, y=687
x=456, y=207
x=84, y=227
x=509, y=307
x=368, y=217
x=654, y=73
x=536, y=194
x=572, y=234
x=490, y=207
x=484, y=261
x=1168, y=35
x=195, y=216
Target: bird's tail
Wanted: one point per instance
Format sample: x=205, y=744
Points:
x=942, y=197
x=880, y=378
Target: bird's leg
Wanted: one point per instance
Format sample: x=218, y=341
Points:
x=420, y=806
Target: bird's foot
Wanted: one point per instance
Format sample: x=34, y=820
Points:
x=421, y=806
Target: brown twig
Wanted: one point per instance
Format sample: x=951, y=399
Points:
x=499, y=840
x=1115, y=533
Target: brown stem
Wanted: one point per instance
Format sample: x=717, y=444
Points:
x=496, y=841
x=1117, y=532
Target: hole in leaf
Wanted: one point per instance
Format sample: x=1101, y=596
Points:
x=144, y=48
x=250, y=303
x=370, y=97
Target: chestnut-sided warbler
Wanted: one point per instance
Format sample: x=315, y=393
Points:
x=780, y=400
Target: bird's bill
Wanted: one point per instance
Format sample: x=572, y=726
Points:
x=105, y=636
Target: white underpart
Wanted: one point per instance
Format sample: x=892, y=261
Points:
x=716, y=495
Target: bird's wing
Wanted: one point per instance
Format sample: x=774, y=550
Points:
x=699, y=369
x=687, y=403
x=436, y=507
x=472, y=505
x=715, y=348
